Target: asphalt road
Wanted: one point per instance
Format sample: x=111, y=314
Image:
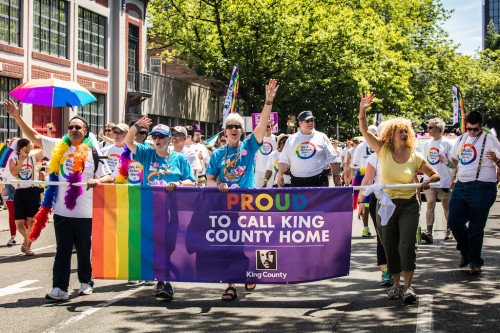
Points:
x=449, y=299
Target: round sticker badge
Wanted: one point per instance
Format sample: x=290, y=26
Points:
x=467, y=154
x=433, y=156
x=305, y=150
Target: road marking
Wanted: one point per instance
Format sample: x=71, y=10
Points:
x=424, y=314
x=18, y=288
x=93, y=310
x=34, y=250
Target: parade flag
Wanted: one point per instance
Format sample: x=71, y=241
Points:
x=458, y=108
x=203, y=235
x=232, y=93
x=4, y=155
x=213, y=140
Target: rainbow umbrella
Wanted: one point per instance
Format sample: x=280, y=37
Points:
x=52, y=92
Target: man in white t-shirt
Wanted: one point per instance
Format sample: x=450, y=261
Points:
x=437, y=152
x=193, y=141
x=268, y=146
x=310, y=156
x=476, y=157
x=114, y=151
x=179, y=135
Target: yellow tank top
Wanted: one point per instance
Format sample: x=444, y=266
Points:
x=395, y=173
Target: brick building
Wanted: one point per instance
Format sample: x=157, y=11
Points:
x=101, y=44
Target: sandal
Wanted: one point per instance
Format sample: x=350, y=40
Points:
x=29, y=253
x=23, y=247
x=249, y=288
x=228, y=295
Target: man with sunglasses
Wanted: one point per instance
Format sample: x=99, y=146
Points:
x=437, y=152
x=476, y=158
x=106, y=135
x=114, y=151
x=268, y=146
x=308, y=152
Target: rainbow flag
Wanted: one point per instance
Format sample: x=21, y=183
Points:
x=128, y=232
x=4, y=155
x=232, y=93
x=458, y=108
x=213, y=140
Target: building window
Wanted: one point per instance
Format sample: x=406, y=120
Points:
x=8, y=127
x=50, y=27
x=155, y=65
x=94, y=113
x=91, y=38
x=9, y=22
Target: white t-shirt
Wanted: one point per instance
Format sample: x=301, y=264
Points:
x=431, y=152
x=193, y=159
x=272, y=165
x=467, y=150
x=113, y=153
x=269, y=145
x=373, y=161
x=3, y=175
x=83, y=207
x=205, y=156
x=28, y=171
x=361, y=153
x=308, y=154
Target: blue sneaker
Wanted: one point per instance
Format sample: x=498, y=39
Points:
x=386, y=280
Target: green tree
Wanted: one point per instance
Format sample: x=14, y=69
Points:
x=322, y=52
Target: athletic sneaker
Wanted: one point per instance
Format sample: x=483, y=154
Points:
x=427, y=237
x=11, y=242
x=149, y=283
x=366, y=233
x=449, y=235
x=386, y=280
x=86, y=288
x=57, y=295
x=394, y=292
x=158, y=288
x=475, y=270
x=167, y=292
x=409, y=295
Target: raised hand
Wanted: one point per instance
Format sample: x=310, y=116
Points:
x=144, y=122
x=366, y=100
x=271, y=90
x=12, y=109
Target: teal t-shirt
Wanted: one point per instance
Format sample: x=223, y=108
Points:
x=235, y=165
x=162, y=170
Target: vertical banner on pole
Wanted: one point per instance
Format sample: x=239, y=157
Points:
x=232, y=92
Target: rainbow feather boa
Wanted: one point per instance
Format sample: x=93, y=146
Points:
x=125, y=159
x=72, y=193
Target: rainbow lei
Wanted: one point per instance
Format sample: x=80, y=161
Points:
x=72, y=193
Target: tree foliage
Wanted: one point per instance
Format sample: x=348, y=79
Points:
x=323, y=53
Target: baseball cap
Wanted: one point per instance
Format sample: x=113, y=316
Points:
x=305, y=115
x=180, y=129
x=162, y=129
x=122, y=127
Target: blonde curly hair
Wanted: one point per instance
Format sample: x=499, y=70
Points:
x=394, y=125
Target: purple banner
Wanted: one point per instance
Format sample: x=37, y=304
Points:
x=273, y=118
x=278, y=235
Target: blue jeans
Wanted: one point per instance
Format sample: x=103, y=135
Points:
x=471, y=202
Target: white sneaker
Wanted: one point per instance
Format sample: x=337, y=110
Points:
x=86, y=288
x=57, y=295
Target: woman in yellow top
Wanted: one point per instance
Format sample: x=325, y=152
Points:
x=399, y=164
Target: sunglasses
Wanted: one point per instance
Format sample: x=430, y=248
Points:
x=430, y=127
x=117, y=132
x=108, y=130
x=230, y=127
x=177, y=135
x=158, y=136
x=222, y=141
x=309, y=120
x=74, y=127
x=474, y=129
x=143, y=133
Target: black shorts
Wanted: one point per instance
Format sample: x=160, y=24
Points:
x=26, y=202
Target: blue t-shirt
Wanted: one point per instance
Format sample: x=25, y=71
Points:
x=162, y=170
x=235, y=165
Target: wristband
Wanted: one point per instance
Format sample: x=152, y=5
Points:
x=361, y=118
x=269, y=103
x=266, y=180
x=137, y=126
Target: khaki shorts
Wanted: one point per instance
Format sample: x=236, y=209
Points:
x=439, y=193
